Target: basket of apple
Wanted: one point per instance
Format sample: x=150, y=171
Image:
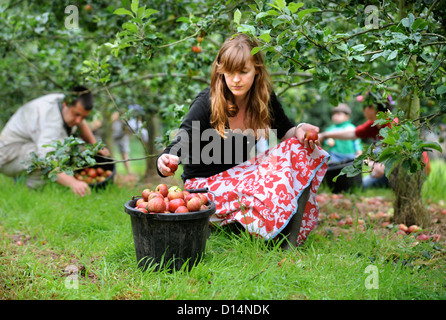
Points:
x=170, y=226
x=99, y=175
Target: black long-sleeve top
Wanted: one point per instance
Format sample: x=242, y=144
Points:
x=203, y=152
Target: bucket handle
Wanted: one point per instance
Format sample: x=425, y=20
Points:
x=201, y=190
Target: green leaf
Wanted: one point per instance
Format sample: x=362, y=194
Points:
x=359, y=47
x=237, y=16
x=441, y=89
x=408, y=22
x=255, y=50
x=265, y=37
x=399, y=37
x=303, y=13
x=418, y=23
x=375, y=56
x=266, y=14
x=392, y=55
x=281, y=4
x=293, y=7
x=245, y=28
x=359, y=58
x=183, y=19
x=342, y=47
x=130, y=26
x=149, y=12
x=385, y=154
x=391, y=164
x=135, y=5
x=389, y=140
x=350, y=171
x=351, y=73
x=431, y=145
x=123, y=11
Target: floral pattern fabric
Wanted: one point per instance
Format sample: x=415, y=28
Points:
x=262, y=193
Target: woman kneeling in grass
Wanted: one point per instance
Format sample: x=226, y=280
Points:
x=270, y=193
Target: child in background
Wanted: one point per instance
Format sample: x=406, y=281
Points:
x=342, y=150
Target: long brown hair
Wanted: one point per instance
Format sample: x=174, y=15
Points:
x=232, y=57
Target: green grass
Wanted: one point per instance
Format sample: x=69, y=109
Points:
x=434, y=189
x=58, y=229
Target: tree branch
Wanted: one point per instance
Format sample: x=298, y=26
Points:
x=433, y=71
x=431, y=8
x=363, y=32
x=291, y=85
x=433, y=43
x=150, y=76
x=315, y=43
x=374, y=83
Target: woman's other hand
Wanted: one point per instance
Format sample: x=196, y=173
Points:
x=167, y=164
x=307, y=134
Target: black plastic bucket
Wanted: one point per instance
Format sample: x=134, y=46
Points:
x=103, y=162
x=343, y=183
x=169, y=239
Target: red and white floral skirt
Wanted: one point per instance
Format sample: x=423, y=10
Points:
x=261, y=194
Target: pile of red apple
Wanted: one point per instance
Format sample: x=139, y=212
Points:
x=171, y=200
x=93, y=175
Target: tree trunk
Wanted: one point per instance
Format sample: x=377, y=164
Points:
x=151, y=148
x=408, y=204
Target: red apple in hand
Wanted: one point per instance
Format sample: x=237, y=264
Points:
x=311, y=135
x=172, y=165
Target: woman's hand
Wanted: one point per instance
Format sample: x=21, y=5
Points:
x=301, y=131
x=166, y=163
